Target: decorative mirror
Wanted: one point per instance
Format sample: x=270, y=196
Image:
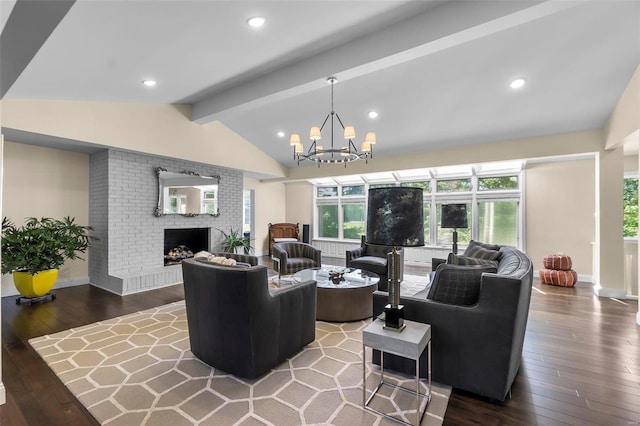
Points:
x=187, y=193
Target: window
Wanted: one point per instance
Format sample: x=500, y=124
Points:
x=327, y=191
x=453, y=185
x=328, y=221
x=497, y=183
x=352, y=190
x=497, y=222
x=209, y=202
x=491, y=192
x=425, y=185
x=630, y=218
x=177, y=203
x=353, y=216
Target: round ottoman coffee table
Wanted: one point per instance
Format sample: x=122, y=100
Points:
x=347, y=298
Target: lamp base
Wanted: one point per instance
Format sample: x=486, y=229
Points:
x=394, y=318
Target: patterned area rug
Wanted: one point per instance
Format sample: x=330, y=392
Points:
x=137, y=369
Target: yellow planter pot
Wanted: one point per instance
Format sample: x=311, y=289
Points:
x=35, y=285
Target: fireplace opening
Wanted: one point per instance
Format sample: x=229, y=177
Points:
x=182, y=244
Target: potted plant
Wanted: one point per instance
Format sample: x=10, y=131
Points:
x=235, y=242
x=34, y=251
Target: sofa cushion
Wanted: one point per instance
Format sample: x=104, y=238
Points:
x=458, y=285
x=371, y=263
x=455, y=259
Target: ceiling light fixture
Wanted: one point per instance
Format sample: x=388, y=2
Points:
x=280, y=134
x=373, y=114
x=517, y=83
x=345, y=155
x=149, y=83
x=256, y=21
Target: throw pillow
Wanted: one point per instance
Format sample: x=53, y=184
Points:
x=458, y=285
x=494, y=247
x=482, y=253
x=202, y=255
x=222, y=260
x=454, y=259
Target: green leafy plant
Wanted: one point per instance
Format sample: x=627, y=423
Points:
x=234, y=239
x=42, y=244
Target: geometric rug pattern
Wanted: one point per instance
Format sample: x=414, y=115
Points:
x=138, y=370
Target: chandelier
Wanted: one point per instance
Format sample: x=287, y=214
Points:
x=345, y=154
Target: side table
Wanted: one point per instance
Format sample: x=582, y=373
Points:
x=410, y=343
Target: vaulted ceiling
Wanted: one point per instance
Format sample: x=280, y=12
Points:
x=436, y=72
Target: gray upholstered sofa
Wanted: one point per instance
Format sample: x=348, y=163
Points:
x=237, y=325
x=476, y=347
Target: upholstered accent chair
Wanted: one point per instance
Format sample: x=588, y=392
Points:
x=373, y=258
x=293, y=257
x=240, y=326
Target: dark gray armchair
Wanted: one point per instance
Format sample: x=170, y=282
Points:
x=238, y=326
x=293, y=257
x=373, y=258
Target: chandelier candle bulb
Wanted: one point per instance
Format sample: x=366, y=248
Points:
x=370, y=138
x=315, y=134
x=295, y=139
x=349, y=132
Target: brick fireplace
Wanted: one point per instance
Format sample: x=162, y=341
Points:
x=129, y=257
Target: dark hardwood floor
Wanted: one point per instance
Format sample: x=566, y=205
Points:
x=580, y=366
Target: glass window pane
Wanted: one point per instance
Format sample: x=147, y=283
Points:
x=630, y=194
x=353, y=190
x=426, y=207
x=425, y=185
x=498, y=222
x=328, y=221
x=453, y=185
x=445, y=235
x=496, y=183
x=381, y=185
x=353, y=221
x=327, y=191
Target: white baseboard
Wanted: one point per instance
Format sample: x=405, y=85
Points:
x=609, y=292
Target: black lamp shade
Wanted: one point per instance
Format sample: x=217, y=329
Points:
x=395, y=217
x=454, y=216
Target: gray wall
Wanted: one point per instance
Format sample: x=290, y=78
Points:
x=123, y=195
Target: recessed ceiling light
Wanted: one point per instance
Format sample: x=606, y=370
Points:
x=373, y=114
x=149, y=83
x=280, y=134
x=256, y=21
x=517, y=83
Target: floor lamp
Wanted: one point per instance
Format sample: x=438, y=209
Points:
x=395, y=218
x=454, y=216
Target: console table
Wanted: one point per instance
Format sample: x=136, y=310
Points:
x=410, y=343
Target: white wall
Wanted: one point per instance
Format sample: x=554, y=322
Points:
x=559, y=212
x=40, y=182
x=270, y=207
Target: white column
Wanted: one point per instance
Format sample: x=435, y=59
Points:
x=609, y=239
x=3, y=396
